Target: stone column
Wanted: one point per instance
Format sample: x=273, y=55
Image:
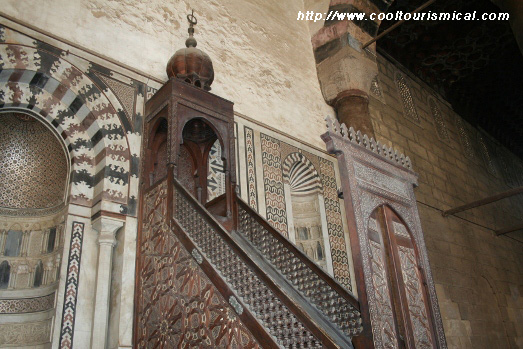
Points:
x=3, y=235
x=352, y=109
x=345, y=77
x=107, y=229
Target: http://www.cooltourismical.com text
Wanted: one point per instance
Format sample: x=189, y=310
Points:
x=401, y=16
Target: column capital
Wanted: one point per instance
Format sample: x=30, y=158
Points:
x=107, y=228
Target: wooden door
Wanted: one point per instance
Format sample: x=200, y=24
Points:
x=403, y=314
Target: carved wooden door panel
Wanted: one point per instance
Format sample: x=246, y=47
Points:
x=403, y=319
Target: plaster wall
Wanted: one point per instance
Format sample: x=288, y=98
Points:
x=262, y=56
x=478, y=276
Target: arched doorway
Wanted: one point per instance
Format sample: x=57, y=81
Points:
x=404, y=312
x=198, y=138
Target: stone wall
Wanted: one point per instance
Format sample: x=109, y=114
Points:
x=478, y=276
x=262, y=56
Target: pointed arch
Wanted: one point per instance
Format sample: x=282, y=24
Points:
x=403, y=311
x=40, y=82
x=5, y=273
x=39, y=274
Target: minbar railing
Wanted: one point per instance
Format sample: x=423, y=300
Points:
x=285, y=312
x=325, y=293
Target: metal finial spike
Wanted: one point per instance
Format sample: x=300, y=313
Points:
x=192, y=19
x=191, y=41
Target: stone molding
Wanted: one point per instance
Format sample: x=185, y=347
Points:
x=27, y=305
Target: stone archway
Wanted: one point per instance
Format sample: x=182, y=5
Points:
x=40, y=80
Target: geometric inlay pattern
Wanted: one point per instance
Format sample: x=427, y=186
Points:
x=216, y=175
x=300, y=173
x=340, y=260
x=383, y=322
x=30, y=154
x=277, y=170
x=273, y=182
x=414, y=292
x=71, y=286
x=67, y=94
x=124, y=93
x=178, y=306
x=251, y=168
x=26, y=305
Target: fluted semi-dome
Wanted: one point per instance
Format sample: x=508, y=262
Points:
x=191, y=64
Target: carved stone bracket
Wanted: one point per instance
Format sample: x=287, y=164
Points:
x=374, y=175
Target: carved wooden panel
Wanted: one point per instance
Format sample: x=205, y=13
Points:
x=177, y=305
x=413, y=289
x=383, y=322
x=412, y=283
x=395, y=271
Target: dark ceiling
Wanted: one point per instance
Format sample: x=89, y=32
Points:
x=476, y=65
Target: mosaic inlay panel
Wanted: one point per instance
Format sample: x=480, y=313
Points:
x=250, y=156
x=71, y=286
x=340, y=260
x=96, y=110
x=273, y=184
x=274, y=155
x=216, y=175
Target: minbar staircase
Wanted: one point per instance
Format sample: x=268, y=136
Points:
x=281, y=296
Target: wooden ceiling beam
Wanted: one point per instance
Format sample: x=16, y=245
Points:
x=483, y=201
x=397, y=24
x=509, y=229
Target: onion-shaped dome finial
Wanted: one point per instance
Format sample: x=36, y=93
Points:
x=191, y=64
